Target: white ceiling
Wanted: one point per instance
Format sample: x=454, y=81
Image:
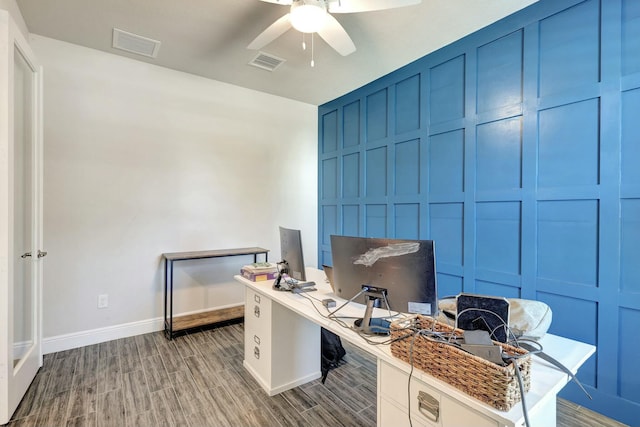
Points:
x=209, y=38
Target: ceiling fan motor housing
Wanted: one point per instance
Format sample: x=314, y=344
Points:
x=308, y=16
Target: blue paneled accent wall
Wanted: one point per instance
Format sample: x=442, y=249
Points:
x=517, y=149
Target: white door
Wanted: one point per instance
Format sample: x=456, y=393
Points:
x=21, y=219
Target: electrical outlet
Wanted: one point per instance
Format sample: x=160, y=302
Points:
x=103, y=301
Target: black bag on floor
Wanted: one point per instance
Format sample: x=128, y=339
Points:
x=332, y=352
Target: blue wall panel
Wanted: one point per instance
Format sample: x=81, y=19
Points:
x=376, y=220
x=516, y=149
x=407, y=168
x=499, y=155
x=446, y=91
x=630, y=37
x=446, y=220
x=568, y=241
x=351, y=175
x=351, y=220
x=376, y=172
x=448, y=285
x=490, y=288
x=407, y=221
x=569, y=133
x=630, y=140
x=330, y=178
x=499, y=75
x=629, y=259
x=351, y=124
x=629, y=349
x=377, y=115
x=330, y=132
x=329, y=223
x=570, y=48
x=407, y=108
x=498, y=236
x=446, y=163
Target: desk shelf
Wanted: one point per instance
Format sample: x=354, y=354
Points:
x=172, y=324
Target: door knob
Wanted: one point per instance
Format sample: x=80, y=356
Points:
x=41, y=253
x=26, y=254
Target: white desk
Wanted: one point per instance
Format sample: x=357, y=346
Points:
x=282, y=351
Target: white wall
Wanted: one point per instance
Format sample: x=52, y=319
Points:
x=142, y=160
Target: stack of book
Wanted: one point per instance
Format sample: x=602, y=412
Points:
x=259, y=271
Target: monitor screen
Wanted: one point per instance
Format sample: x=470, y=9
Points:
x=405, y=268
x=291, y=252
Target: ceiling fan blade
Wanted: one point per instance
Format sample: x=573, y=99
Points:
x=283, y=2
x=336, y=36
x=351, y=6
x=272, y=32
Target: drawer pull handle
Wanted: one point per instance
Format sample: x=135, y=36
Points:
x=428, y=406
x=256, y=298
x=256, y=339
x=256, y=311
x=256, y=352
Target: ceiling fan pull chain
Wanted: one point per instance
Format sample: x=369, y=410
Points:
x=304, y=44
x=313, y=64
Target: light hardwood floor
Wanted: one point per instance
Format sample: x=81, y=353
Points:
x=198, y=380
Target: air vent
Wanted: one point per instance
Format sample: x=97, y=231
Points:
x=266, y=61
x=135, y=44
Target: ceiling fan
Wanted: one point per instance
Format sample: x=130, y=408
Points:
x=314, y=16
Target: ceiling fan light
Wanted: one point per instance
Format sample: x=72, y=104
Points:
x=308, y=16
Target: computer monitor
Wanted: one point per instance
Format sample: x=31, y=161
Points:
x=405, y=269
x=291, y=252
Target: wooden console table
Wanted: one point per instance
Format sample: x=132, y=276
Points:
x=181, y=323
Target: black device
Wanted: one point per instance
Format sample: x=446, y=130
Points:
x=397, y=272
x=483, y=312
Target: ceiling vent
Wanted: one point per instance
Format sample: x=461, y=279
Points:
x=135, y=44
x=266, y=61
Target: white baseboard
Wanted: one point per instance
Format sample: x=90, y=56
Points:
x=108, y=333
x=95, y=336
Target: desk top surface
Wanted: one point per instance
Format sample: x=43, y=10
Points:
x=545, y=378
x=177, y=256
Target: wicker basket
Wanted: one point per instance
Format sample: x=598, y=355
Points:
x=493, y=384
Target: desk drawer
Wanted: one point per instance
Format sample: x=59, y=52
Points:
x=425, y=400
x=429, y=407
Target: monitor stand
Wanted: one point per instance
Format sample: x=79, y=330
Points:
x=369, y=325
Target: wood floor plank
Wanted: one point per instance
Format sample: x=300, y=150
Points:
x=129, y=357
x=136, y=393
x=61, y=377
x=319, y=416
x=202, y=375
x=109, y=374
x=87, y=366
x=337, y=405
x=281, y=410
x=167, y=409
x=108, y=349
x=53, y=411
x=82, y=401
x=89, y=420
x=156, y=373
x=229, y=406
x=300, y=400
x=146, y=345
x=111, y=410
x=171, y=356
x=143, y=419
